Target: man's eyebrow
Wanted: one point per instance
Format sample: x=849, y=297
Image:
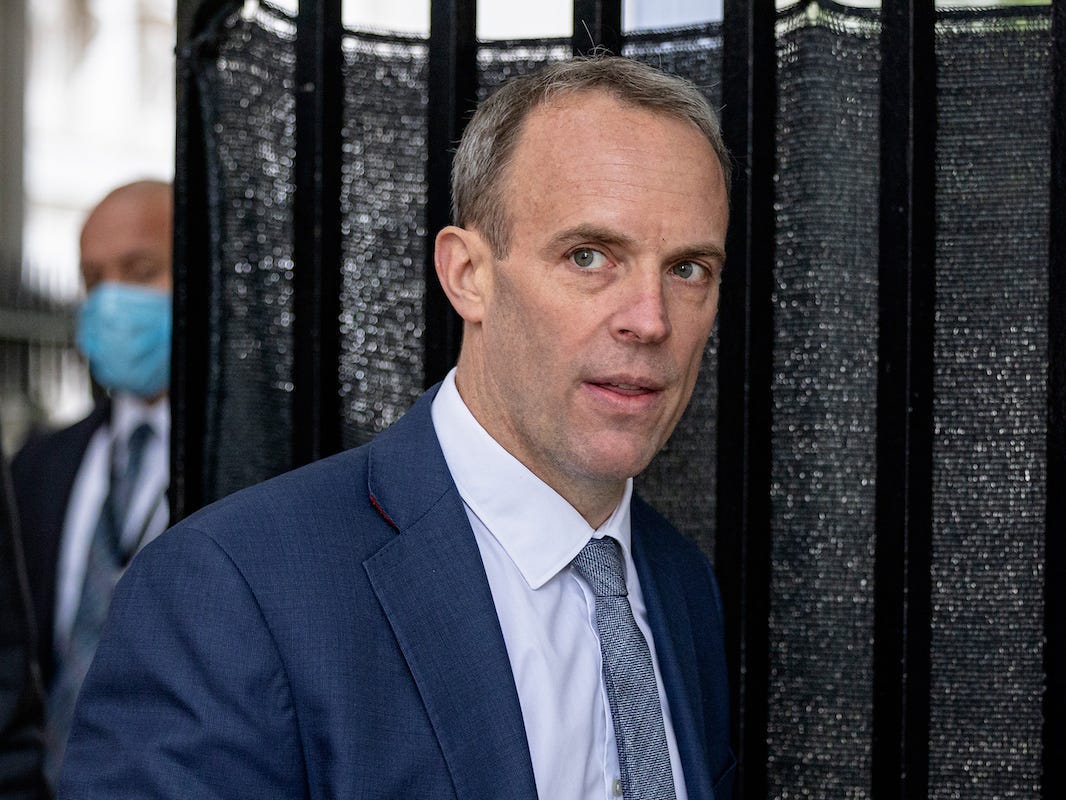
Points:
x=707, y=251
x=140, y=254
x=591, y=233
x=607, y=236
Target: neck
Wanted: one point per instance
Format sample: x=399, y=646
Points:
x=596, y=509
x=593, y=497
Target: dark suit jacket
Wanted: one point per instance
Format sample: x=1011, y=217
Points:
x=21, y=709
x=331, y=633
x=43, y=475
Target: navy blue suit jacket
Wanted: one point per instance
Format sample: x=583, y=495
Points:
x=331, y=633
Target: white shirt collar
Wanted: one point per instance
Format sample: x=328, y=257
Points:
x=540, y=531
x=129, y=411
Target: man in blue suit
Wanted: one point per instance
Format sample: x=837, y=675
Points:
x=474, y=605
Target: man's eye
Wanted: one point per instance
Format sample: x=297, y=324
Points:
x=143, y=271
x=689, y=270
x=587, y=258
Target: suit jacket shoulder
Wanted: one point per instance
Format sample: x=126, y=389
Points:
x=50, y=448
x=332, y=631
x=342, y=614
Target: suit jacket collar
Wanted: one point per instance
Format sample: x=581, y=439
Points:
x=431, y=583
x=671, y=625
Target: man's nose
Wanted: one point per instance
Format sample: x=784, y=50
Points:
x=642, y=315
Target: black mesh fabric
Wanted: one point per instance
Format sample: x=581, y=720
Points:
x=248, y=105
x=824, y=409
x=383, y=188
x=383, y=211
x=990, y=349
x=499, y=61
x=990, y=411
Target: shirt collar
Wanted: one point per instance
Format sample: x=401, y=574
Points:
x=129, y=411
x=540, y=531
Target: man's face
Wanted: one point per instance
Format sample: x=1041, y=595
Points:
x=595, y=323
x=127, y=239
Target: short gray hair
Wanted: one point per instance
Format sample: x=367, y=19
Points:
x=487, y=146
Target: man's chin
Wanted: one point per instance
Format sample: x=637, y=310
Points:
x=619, y=464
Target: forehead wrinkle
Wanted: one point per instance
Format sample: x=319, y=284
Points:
x=628, y=183
x=592, y=233
x=611, y=179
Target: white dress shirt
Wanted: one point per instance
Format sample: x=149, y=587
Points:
x=148, y=513
x=528, y=535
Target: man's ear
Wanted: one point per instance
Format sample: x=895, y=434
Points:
x=462, y=259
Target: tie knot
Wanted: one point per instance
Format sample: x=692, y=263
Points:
x=600, y=563
x=140, y=436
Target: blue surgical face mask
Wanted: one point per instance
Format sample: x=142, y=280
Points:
x=124, y=331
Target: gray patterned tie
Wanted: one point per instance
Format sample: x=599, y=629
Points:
x=106, y=562
x=639, y=732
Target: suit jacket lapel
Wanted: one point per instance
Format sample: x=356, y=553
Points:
x=432, y=586
x=671, y=627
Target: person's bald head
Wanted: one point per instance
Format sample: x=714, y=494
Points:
x=127, y=237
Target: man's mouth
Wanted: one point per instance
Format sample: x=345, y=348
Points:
x=628, y=388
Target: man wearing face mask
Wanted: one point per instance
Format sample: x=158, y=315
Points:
x=91, y=495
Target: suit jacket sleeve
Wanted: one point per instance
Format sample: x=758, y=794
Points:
x=167, y=709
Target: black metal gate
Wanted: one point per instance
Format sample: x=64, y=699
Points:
x=875, y=455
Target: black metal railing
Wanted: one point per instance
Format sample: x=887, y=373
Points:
x=901, y=606
x=1053, y=782
x=743, y=536
x=906, y=280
